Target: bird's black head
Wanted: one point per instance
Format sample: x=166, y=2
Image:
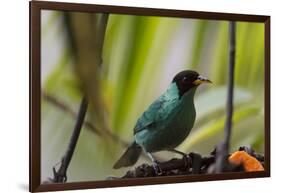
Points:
x=188, y=79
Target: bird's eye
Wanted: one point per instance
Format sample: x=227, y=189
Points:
x=185, y=80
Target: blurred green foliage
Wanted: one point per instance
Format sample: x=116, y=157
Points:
x=140, y=57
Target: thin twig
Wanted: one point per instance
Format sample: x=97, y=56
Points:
x=60, y=175
x=88, y=125
x=223, y=148
x=229, y=112
x=64, y=107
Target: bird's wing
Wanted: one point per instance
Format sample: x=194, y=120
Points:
x=155, y=114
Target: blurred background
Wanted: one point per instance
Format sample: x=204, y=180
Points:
x=140, y=56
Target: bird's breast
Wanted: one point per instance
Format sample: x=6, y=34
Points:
x=179, y=120
x=181, y=123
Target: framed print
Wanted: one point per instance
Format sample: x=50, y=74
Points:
x=123, y=96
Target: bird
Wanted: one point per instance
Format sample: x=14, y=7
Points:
x=167, y=121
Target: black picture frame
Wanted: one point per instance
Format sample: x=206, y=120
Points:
x=35, y=93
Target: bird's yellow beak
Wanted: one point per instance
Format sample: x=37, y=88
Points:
x=201, y=80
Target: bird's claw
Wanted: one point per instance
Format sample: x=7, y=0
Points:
x=157, y=169
x=186, y=160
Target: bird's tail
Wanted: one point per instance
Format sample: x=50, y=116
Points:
x=130, y=157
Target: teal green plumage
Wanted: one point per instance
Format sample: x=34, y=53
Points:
x=168, y=118
x=167, y=121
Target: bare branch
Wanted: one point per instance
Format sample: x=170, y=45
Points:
x=81, y=40
x=223, y=148
x=64, y=107
x=193, y=163
x=60, y=175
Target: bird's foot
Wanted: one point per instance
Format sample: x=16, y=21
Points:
x=185, y=157
x=157, y=169
x=187, y=161
x=155, y=164
x=196, y=161
x=179, y=152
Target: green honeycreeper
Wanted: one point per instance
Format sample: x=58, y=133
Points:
x=166, y=122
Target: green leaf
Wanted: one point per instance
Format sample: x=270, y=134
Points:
x=219, y=63
x=199, y=42
x=148, y=39
x=212, y=129
x=217, y=96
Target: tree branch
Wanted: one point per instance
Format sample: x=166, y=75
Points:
x=87, y=51
x=192, y=164
x=60, y=175
x=223, y=148
x=64, y=107
x=88, y=125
